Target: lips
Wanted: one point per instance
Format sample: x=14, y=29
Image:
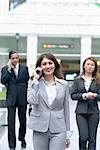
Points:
x=48, y=71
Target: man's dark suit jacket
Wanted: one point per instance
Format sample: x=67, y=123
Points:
x=85, y=106
x=16, y=86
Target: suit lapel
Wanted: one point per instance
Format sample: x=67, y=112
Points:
x=43, y=92
x=13, y=73
x=82, y=84
x=45, y=96
x=19, y=71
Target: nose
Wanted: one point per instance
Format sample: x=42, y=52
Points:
x=48, y=65
x=90, y=66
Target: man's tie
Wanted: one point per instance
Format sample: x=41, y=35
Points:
x=16, y=71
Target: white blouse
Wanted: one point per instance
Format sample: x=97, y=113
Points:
x=87, y=84
x=51, y=92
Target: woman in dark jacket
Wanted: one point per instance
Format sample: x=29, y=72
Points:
x=86, y=90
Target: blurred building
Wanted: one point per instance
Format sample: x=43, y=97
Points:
x=68, y=29
x=14, y=3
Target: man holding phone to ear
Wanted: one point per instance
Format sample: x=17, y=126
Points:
x=15, y=77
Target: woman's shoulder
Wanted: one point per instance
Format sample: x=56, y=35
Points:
x=78, y=78
x=62, y=81
x=97, y=80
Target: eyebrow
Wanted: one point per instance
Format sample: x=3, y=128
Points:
x=13, y=57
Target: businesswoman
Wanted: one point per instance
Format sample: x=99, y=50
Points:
x=49, y=95
x=86, y=90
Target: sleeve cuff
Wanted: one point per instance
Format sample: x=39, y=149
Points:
x=84, y=96
x=69, y=134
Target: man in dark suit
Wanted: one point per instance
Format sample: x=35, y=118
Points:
x=15, y=76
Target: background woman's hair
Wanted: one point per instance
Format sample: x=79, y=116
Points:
x=50, y=56
x=94, y=74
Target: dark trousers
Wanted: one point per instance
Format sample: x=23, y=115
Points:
x=11, y=124
x=87, y=126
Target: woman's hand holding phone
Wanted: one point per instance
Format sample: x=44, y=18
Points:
x=37, y=73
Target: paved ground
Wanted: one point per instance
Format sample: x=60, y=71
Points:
x=74, y=138
x=4, y=139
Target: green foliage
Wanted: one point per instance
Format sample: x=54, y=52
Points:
x=97, y=4
x=3, y=95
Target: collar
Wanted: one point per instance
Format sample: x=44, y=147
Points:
x=42, y=78
x=17, y=66
x=85, y=79
x=62, y=81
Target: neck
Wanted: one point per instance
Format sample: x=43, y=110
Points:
x=88, y=75
x=49, y=79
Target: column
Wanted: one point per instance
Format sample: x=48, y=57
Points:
x=4, y=7
x=31, y=52
x=85, y=49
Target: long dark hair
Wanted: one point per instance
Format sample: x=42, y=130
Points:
x=94, y=74
x=50, y=56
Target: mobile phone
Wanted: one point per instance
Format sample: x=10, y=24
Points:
x=39, y=72
x=13, y=66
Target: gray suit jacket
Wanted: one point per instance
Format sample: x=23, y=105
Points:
x=54, y=117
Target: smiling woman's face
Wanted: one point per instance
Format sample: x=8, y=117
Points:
x=48, y=67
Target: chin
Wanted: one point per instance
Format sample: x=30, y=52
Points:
x=48, y=74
